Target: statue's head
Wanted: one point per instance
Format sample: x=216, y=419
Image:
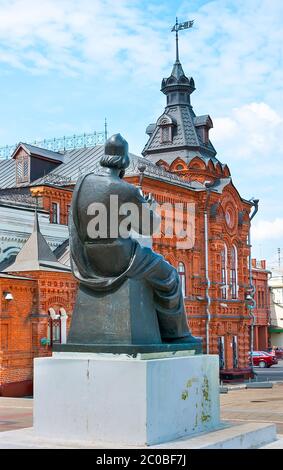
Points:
x=116, y=153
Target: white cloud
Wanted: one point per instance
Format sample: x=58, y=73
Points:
x=238, y=44
x=252, y=133
x=90, y=36
x=225, y=128
x=268, y=230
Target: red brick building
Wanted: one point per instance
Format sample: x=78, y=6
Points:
x=262, y=305
x=179, y=165
x=37, y=299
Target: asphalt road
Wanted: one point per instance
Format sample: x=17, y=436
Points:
x=272, y=373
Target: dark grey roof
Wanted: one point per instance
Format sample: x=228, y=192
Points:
x=7, y=173
x=76, y=162
x=7, y=262
x=36, y=255
x=177, y=81
x=204, y=120
x=10, y=276
x=43, y=153
x=84, y=160
x=150, y=129
x=17, y=199
x=81, y=161
x=61, y=249
x=8, y=166
x=185, y=134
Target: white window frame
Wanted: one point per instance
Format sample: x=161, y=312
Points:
x=235, y=269
x=225, y=287
x=182, y=275
x=57, y=212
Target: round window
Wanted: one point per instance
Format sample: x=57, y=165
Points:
x=229, y=217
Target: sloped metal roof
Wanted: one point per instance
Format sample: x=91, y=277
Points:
x=7, y=173
x=38, y=151
x=185, y=136
x=10, y=276
x=8, y=166
x=80, y=161
x=36, y=255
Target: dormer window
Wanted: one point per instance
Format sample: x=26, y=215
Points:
x=33, y=162
x=204, y=134
x=166, y=134
x=22, y=169
x=166, y=125
x=203, y=124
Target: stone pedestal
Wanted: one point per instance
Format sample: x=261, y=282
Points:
x=118, y=399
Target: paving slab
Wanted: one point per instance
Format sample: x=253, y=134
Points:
x=275, y=445
x=244, y=436
x=238, y=406
x=254, y=405
x=15, y=413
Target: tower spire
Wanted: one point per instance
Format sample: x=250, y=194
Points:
x=177, y=27
x=177, y=40
x=178, y=87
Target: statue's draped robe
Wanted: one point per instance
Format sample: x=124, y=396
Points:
x=102, y=264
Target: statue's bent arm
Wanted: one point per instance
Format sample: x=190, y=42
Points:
x=149, y=220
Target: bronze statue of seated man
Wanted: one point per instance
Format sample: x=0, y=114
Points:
x=105, y=257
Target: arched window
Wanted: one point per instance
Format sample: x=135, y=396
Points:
x=182, y=274
x=54, y=327
x=224, y=286
x=165, y=134
x=234, y=273
x=221, y=351
x=166, y=124
x=63, y=318
x=235, y=352
x=55, y=213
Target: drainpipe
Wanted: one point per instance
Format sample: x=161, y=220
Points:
x=251, y=299
x=219, y=184
x=207, y=280
x=268, y=305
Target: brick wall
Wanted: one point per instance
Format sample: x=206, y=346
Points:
x=24, y=321
x=229, y=317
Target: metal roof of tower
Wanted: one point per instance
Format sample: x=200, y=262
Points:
x=187, y=139
x=36, y=255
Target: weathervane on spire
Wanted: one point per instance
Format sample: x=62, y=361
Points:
x=177, y=27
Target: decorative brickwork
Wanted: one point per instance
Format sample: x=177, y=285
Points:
x=49, y=197
x=229, y=316
x=24, y=323
x=262, y=310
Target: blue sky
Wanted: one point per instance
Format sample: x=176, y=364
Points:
x=65, y=65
